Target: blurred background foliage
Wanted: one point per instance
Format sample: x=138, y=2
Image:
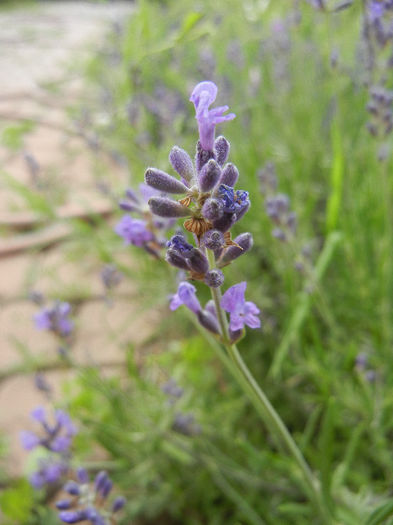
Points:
x=295, y=77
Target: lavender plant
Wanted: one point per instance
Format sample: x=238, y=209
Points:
x=211, y=206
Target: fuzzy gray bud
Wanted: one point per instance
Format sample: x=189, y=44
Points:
x=162, y=181
x=182, y=163
x=197, y=262
x=164, y=207
x=213, y=240
x=214, y=278
x=202, y=157
x=208, y=321
x=176, y=260
x=225, y=222
x=213, y=209
x=229, y=176
x=209, y=175
x=221, y=147
x=245, y=242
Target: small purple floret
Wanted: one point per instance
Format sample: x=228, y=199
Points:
x=241, y=312
x=203, y=95
x=186, y=294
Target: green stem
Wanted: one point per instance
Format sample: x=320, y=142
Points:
x=266, y=409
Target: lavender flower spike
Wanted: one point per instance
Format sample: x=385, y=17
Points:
x=241, y=312
x=203, y=95
x=186, y=294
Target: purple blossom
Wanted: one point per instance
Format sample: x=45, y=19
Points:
x=241, y=312
x=179, y=243
x=55, y=437
x=186, y=294
x=133, y=231
x=55, y=319
x=376, y=9
x=203, y=95
x=50, y=471
x=234, y=201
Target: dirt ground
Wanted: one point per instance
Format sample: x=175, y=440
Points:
x=37, y=46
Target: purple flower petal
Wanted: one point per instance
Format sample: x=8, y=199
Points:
x=233, y=299
x=42, y=320
x=186, y=294
x=38, y=414
x=29, y=440
x=250, y=315
x=203, y=95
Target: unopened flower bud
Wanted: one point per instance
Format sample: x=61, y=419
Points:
x=230, y=174
x=197, y=262
x=202, y=157
x=208, y=321
x=213, y=209
x=211, y=308
x=221, y=147
x=175, y=259
x=235, y=335
x=182, y=163
x=245, y=242
x=162, y=181
x=225, y=222
x=214, y=278
x=164, y=207
x=213, y=240
x=209, y=175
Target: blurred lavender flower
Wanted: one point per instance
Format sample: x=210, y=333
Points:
x=55, y=319
x=203, y=95
x=111, y=276
x=380, y=108
x=241, y=312
x=133, y=231
x=56, y=439
x=42, y=384
x=277, y=205
x=49, y=471
x=172, y=390
x=89, y=502
x=185, y=424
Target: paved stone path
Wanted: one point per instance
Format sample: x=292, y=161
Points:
x=36, y=46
